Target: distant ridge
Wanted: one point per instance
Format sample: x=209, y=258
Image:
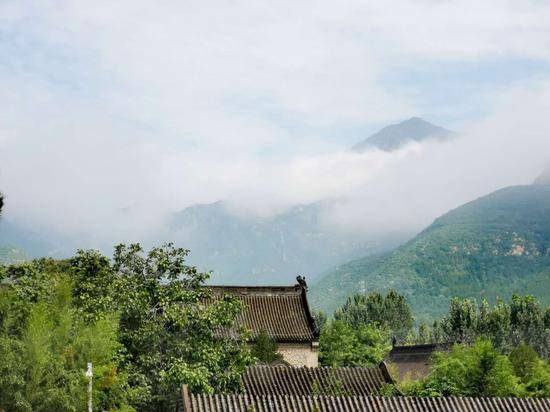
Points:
x=544, y=178
x=492, y=247
x=249, y=249
x=397, y=135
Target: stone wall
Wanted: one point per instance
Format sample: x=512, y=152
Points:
x=297, y=354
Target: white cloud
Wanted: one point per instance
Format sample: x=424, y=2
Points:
x=115, y=113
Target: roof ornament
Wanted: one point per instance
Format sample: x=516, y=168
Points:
x=301, y=282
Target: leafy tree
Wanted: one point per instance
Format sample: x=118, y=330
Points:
x=390, y=311
x=264, y=349
x=460, y=324
x=424, y=335
x=169, y=329
x=479, y=370
x=523, y=320
x=172, y=327
x=44, y=353
x=533, y=372
x=320, y=319
x=343, y=345
x=527, y=319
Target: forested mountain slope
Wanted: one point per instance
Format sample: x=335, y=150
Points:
x=494, y=246
x=247, y=249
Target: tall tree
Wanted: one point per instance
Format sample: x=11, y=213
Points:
x=478, y=370
x=391, y=312
x=171, y=326
x=343, y=345
x=44, y=351
x=507, y=325
x=265, y=348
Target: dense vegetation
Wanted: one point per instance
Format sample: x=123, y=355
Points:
x=493, y=247
x=494, y=351
x=391, y=312
x=265, y=349
x=140, y=318
x=482, y=370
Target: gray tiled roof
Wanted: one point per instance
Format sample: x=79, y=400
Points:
x=283, y=312
x=296, y=403
x=268, y=380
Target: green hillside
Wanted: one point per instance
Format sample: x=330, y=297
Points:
x=494, y=246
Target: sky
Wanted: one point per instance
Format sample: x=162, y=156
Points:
x=116, y=114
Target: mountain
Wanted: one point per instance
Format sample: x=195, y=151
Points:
x=397, y=135
x=14, y=236
x=247, y=249
x=18, y=242
x=492, y=247
x=544, y=178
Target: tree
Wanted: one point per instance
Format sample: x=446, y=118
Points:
x=391, y=312
x=460, y=324
x=507, y=325
x=44, y=354
x=527, y=319
x=533, y=372
x=342, y=345
x=320, y=319
x=172, y=326
x=478, y=370
x=168, y=328
x=264, y=349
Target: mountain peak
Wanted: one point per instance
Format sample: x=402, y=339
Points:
x=394, y=136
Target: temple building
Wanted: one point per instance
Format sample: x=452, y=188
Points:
x=283, y=313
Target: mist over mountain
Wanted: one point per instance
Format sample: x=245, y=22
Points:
x=18, y=243
x=544, y=178
x=246, y=248
x=492, y=247
x=394, y=136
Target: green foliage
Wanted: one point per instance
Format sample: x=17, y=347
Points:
x=44, y=353
x=507, y=325
x=390, y=312
x=320, y=319
x=344, y=345
x=479, y=370
x=482, y=370
x=533, y=372
x=496, y=246
x=145, y=320
x=168, y=331
x=264, y=349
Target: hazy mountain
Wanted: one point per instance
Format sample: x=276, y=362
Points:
x=494, y=246
x=18, y=242
x=394, y=136
x=544, y=178
x=243, y=248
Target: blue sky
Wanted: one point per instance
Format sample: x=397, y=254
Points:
x=255, y=102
